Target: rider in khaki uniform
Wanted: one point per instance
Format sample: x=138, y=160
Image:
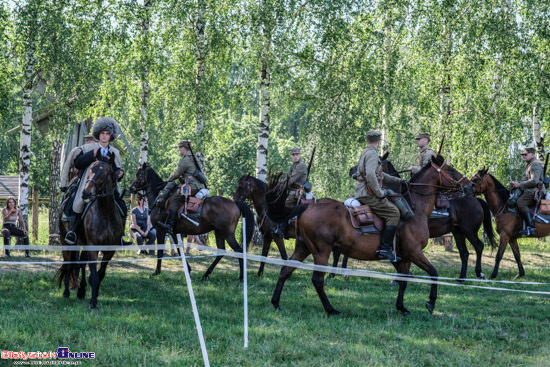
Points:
x=426, y=153
x=185, y=173
x=297, y=176
x=533, y=176
x=369, y=191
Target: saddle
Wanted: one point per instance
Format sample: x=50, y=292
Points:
x=365, y=220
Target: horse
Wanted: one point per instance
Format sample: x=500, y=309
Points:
x=323, y=226
x=102, y=224
x=507, y=224
x=466, y=215
x=256, y=190
x=218, y=214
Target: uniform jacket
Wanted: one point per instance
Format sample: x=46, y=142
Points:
x=532, y=177
x=369, y=173
x=297, y=174
x=424, y=157
x=186, y=168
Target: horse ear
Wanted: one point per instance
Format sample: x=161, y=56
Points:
x=385, y=156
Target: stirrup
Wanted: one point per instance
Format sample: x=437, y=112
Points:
x=388, y=255
x=167, y=227
x=70, y=238
x=527, y=231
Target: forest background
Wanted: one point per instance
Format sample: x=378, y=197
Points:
x=246, y=80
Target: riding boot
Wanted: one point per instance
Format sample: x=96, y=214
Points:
x=170, y=222
x=280, y=229
x=529, y=224
x=70, y=237
x=386, y=245
x=6, y=235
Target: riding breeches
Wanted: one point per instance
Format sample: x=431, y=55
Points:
x=383, y=208
x=525, y=200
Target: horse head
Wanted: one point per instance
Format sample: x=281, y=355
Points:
x=140, y=182
x=100, y=181
x=481, y=181
x=244, y=188
x=439, y=174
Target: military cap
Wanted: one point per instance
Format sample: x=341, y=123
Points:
x=295, y=150
x=528, y=150
x=185, y=144
x=423, y=135
x=373, y=136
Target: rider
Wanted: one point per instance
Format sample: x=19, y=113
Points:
x=425, y=154
x=370, y=192
x=188, y=173
x=530, y=181
x=297, y=177
x=104, y=131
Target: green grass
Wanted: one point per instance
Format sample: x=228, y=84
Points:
x=148, y=321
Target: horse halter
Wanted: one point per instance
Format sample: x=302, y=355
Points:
x=98, y=194
x=441, y=172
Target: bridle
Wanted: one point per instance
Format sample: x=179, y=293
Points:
x=98, y=191
x=482, y=180
x=456, y=184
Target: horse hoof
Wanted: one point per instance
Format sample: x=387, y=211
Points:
x=430, y=307
x=519, y=276
x=334, y=313
x=66, y=294
x=481, y=276
x=157, y=272
x=94, y=310
x=493, y=276
x=460, y=281
x=405, y=312
x=260, y=274
x=332, y=275
x=205, y=277
x=394, y=283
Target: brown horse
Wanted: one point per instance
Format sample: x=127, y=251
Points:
x=324, y=226
x=507, y=224
x=251, y=188
x=219, y=214
x=102, y=224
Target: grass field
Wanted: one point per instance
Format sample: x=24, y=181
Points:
x=148, y=321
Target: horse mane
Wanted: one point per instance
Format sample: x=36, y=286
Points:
x=154, y=179
x=262, y=187
x=276, y=194
x=501, y=190
x=439, y=160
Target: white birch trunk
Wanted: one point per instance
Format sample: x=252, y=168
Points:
x=386, y=103
x=25, y=138
x=445, y=99
x=200, y=49
x=143, y=117
x=263, y=131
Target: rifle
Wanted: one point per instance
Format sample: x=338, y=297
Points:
x=545, y=180
x=311, y=161
x=441, y=145
x=199, y=175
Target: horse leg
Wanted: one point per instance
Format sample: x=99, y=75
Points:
x=464, y=254
x=160, y=252
x=265, y=251
x=300, y=253
x=335, y=259
x=420, y=260
x=478, y=246
x=107, y=256
x=237, y=248
x=515, y=249
x=403, y=267
x=81, y=294
x=501, y=248
x=318, y=280
x=220, y=244
x=94, y=281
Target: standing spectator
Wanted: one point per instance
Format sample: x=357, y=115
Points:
x=141, y=225
x=10, y=215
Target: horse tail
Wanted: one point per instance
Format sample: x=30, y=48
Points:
x=487, y=223
x=249, y=219
x=68, y=269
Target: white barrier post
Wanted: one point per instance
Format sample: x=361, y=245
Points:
x=193, y=303
x=245, y=287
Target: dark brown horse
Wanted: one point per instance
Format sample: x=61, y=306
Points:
x=256, y=190
x=507, y=224
x=324, y=226
x=102, y=224
x=219, y=214
x=466, y=215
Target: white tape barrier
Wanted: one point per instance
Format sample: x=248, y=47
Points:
x=245, y=286
x=193, y=303
x=305, y=266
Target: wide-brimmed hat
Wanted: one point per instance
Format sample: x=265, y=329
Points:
x=89, y=136
x=105, y=124
x=373, y=136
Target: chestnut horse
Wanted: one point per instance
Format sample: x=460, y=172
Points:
x=102, y=224
x=249, y=187
x=219, y=214
x=507, y=224
x=326, y=225
x=466, y=215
